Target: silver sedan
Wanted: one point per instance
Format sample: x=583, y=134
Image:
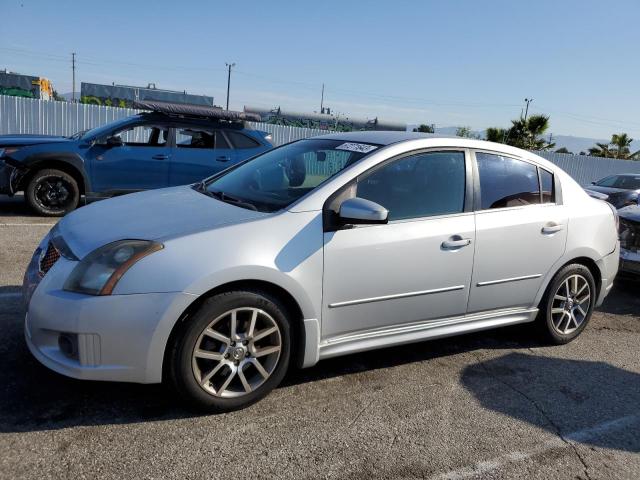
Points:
x=319, y=248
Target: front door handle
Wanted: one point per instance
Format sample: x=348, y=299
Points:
x=223, y=158
x=552, y=227
x=455, y=242
x=160, y=156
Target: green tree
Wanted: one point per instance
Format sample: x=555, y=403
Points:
x=424, y=128
x=563, y=150
x=618, y=147
x=523, y=133
x=465, y=132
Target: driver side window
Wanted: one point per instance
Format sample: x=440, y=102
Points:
x=421, y=185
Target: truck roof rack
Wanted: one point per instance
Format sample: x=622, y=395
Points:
x=198, y=111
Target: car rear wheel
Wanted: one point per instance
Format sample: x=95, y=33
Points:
x=568, y=304
x=232, y=352
x=52, y=193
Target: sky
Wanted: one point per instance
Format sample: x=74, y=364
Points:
x=452, y=63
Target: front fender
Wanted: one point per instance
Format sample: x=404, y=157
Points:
x=55, y=160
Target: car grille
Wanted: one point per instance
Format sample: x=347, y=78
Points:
x=49, y=258
x=629, y=235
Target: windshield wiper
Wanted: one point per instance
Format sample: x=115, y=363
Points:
x=225, y=197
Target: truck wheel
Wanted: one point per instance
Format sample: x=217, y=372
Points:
x=52, y=193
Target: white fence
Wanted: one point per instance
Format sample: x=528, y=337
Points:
x=26, y=115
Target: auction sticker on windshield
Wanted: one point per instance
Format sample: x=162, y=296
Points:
x=356, y=147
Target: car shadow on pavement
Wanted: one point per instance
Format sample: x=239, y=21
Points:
x=592, y=403
x=36, y=399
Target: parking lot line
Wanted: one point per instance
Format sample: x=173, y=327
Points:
x=568, y=440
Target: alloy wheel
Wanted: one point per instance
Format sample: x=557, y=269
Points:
x=237, y=352
x=53, y=193
x=571, y=304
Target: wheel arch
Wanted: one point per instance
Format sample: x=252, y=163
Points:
x=293, y=306
x=582, y=259
x=68, y=164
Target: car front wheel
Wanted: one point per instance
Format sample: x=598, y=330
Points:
x=52, y=193
x=568, y=304
x=232, y=352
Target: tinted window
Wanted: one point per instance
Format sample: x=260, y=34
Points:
x=242, y=141
x=191, y=137
x=143, y=136
x=548, y=191
x=627, y=182
x=506, y=182
x=418, y=186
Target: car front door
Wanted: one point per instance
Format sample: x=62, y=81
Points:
x=415, y=268
x=521, y=232
x=199, y=153
x=134, y=158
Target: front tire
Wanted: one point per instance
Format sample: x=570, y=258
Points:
x=52, y=193
x=232, y=351
x=568, y=303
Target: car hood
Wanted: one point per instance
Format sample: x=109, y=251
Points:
x=152, y=215
x=631, y=212
x=22, y=140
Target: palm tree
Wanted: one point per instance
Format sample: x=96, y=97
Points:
x=601, y=150
x=523, y=133
x=618, y=148
x=497, y=135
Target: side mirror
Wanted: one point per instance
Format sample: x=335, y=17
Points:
x=114, y=141
x=361, y=211
x=593, y=183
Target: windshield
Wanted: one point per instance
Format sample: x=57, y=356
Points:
x=626, y=182
x=274, y=180
x=104, y=130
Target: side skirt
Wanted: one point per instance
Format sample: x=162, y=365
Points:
x=417, y=332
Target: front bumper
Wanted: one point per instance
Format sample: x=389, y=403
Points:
x=629, y=261
x=116, y=337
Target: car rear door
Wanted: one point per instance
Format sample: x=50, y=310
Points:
x=520, y=232
x=199, y=152
x=141, y=162
x=415, y=268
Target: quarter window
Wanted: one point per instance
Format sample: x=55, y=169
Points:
x=548, y=190
x=421, y=185
x=240, y=140
x=506, y=182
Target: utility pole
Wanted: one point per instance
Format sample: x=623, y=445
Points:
x=229, y=66
x=73, y=76
x=526, y=111
x=322, y=100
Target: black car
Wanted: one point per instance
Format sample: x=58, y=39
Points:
x=621, y=190
x=630, y=239
x=172, y=144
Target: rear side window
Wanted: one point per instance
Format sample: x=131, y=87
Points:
x=417, y=186
x=548, y=190
x=506, y=182
x=200, y=138
x=240, y=140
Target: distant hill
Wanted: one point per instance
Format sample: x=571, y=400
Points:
x=571, y=143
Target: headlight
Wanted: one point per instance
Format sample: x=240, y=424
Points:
x=99, y=272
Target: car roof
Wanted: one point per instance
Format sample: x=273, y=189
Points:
x=381, y=137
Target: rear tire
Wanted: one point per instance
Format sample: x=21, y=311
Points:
x=216, y=367
x=52, y=193
x=567, y=305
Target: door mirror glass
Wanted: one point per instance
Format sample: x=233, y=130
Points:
x=114, y=141
x=360, y=211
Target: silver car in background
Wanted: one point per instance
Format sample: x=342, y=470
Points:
x=322, y=247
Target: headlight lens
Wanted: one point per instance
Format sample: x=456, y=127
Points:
x=99, y=272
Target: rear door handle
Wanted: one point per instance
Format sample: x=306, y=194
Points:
x=552, y=227
x=223, y=158
x=454, y=242
x=160, y=156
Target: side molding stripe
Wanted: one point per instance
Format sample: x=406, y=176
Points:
x=506, y=280
x=395, y=296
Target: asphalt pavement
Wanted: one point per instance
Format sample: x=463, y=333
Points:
x=496, y=405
